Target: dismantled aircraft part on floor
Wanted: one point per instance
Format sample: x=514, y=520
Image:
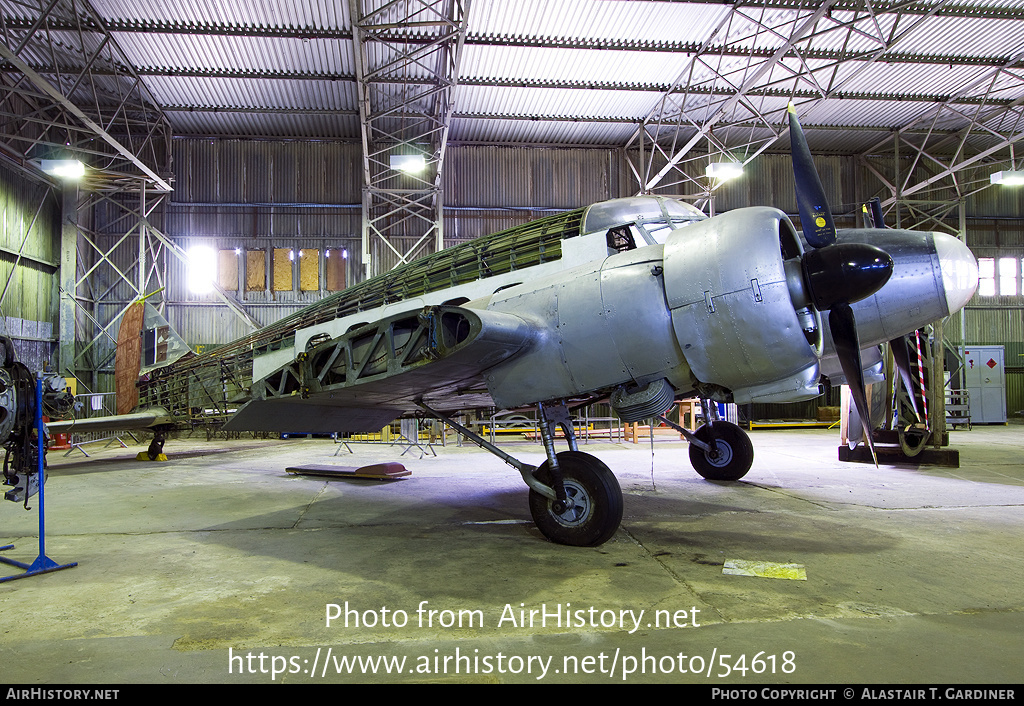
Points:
x=20, y=393
x=378, y=471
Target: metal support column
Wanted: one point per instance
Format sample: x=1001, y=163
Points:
x=68, y=262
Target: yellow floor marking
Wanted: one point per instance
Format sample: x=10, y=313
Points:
x=765, y=569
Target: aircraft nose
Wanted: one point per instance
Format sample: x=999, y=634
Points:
x=959, y=270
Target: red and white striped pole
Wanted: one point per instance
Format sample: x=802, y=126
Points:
x=920, y=379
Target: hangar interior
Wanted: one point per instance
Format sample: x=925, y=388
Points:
x=242, y=162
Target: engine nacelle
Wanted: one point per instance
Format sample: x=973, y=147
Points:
x=733, y=311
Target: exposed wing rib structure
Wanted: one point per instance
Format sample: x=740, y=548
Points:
x=368, y=377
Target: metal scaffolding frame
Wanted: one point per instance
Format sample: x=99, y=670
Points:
x=732, y=103
x=101, y=277
x=67, y=91
x=407, y=55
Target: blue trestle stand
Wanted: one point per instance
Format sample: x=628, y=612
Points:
x=43, y=564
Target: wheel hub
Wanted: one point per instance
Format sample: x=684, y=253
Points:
x=721, y=455
x=578, y=502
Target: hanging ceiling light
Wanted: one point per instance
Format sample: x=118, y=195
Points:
x=411, y=163
x=1008, y=178
x=63, y=168
x=724, y=170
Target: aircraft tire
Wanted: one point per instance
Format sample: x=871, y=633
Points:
x=156, y=447
x=735, y=452
x=597, y=512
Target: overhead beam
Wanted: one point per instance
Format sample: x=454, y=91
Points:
x=952, y=151
x=482, y=40
x=805, y=27
x=552, y=84
x=788, y=70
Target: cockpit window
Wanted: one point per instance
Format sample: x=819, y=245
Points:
x=657, y=232
x=620, y=239
x=649, y=219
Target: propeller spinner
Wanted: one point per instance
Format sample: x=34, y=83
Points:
x=835, y=275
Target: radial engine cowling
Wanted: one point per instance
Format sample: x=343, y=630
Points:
x=732, y=311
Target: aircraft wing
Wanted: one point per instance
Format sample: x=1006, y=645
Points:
x=358, y=382
x=144, y=419
x=368, y=377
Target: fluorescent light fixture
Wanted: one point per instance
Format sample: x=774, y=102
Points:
x=1008, y=178
x=408, y=162
x=63, y=168
x=724, y=170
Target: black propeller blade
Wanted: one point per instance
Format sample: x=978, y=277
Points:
x=877, y=219
x=815, y=215
x=847, y=343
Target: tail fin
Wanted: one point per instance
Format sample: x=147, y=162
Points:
x=145, y=341
x=128, y=358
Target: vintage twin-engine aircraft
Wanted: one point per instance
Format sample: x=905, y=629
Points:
x=637, y=300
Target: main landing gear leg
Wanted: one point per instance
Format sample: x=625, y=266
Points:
x=588, y=507
x=575, y=499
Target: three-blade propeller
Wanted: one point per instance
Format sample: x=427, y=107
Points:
x=835, y=274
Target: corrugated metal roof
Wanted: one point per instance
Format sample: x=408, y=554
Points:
x=238, y=13
x=580, y=72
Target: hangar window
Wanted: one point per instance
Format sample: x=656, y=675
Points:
x=280, y=269
x=986, y=276
x=335, y=268
x=309, y=270
x=1009, y=268
x=227, y=269
x=255, y=271
x=284, y=267
x=201, y=269
x=1000, y=276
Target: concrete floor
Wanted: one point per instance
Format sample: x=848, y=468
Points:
x=217, y=566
